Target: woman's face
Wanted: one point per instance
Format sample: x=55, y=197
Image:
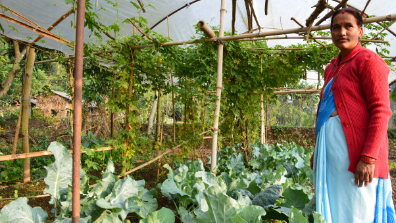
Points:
x=345, y=31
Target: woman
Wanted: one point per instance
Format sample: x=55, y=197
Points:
x=351, y=131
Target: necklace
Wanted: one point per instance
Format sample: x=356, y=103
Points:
x=335, y=78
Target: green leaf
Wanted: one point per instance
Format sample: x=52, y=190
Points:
x=295, y=198
x=318, y=218
x=136, y=5
x=253, y=187
x=251, y=214
x=186, y=216
x=106, y=184
x=59, y=173
x=296, y=216
x=268, y=196
x=310, y=207
x=170, y=188
x=237, y=163
x=222, y=208
x=19, y=211
x=274, y=212
x=141, y=207
x=237, y=184
x=117, y=200
x=69, y=220
x=164, y=215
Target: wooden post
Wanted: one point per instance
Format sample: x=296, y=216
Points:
x=158, y=124
x=78, y=74
x=162, y=126
x=192, y=115
x=25, y=113
x=219, y=85
x=158, y=129
x=318, y=80
x=18, y=127
x=128, y=111
x=173, y=95
x=266, y=120
x=262, y=121
x=112, y=115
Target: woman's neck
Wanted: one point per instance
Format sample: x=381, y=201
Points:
x=345, y=52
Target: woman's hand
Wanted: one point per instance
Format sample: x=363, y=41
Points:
x=364, y=172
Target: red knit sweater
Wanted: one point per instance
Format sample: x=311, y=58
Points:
x=361, y=95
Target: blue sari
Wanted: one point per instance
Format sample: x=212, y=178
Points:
x=338, y=199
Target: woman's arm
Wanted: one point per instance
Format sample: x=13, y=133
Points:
x=374, y=79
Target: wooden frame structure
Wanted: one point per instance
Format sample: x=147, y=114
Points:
x=78, y=81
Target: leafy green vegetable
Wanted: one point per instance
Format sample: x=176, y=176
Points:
x=19, y=211
x=295, y=198
x=59, y=173
x=268, y=196
x=296, y=216
x=164, y=215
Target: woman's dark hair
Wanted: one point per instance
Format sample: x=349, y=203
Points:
x=352, y=11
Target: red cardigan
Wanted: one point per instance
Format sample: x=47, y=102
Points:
x=361, y=95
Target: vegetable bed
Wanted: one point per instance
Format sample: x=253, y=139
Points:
x=274, y=184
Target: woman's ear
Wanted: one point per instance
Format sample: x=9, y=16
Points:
x=360, y=32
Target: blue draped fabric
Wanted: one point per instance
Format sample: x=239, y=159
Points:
x=326, y=107
x=338, y=199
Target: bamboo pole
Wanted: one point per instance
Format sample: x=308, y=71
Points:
x=78, y=73
x=298, y=92
x=43, y=32
x=206, y=29
x=162, y=127
x=219, y=84
x=55, y=24
x=169, y=15
x=314, y=38
x=365, y=7
x=128, y=111
x=112, y=114
x=45, y=153
x=173, y=93
x=366, y=15
x=141, y=6
x=192, y=115
x=286, y=48
x=21, y=16
x=375, y=37
x=389, y=17
x=341, y=4
x=15, y=68
x=262, y=121
x=141, y=31
x=158, y=129
x=158, y=157
x=310, y=35
x=25, y=113
x=20, y=111
x=158, y=124
x=17, y=133
x=266, y=119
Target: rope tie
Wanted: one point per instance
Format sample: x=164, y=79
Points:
x=219, y=41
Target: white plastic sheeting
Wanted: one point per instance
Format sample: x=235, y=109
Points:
x=45, y=12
